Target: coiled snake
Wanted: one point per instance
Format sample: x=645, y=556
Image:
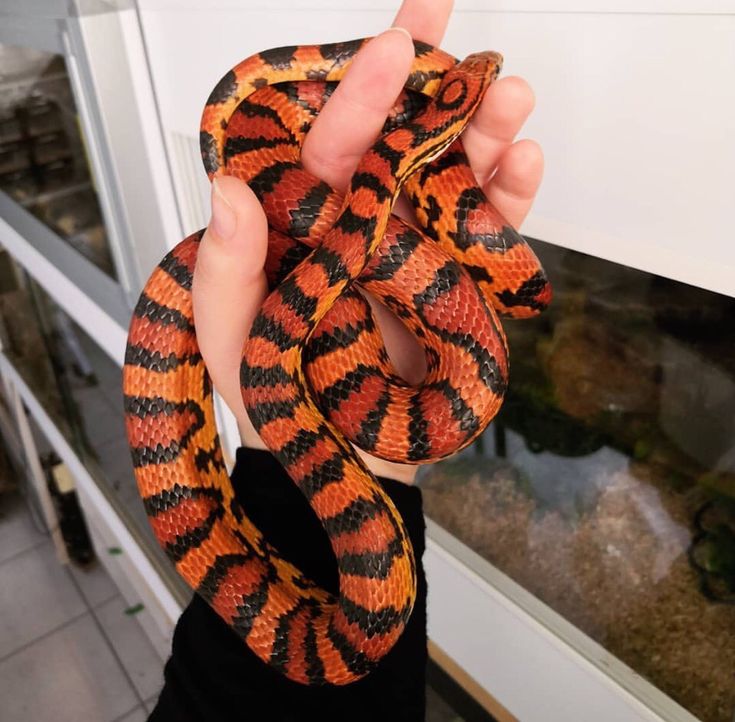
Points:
x=315, y=374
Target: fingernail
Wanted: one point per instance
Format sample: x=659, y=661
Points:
x=224, y=218
x=402, y=30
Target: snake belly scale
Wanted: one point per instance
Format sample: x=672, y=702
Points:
x=315, y=374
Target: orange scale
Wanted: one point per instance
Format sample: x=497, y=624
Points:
x=396, y=427
x=248, y=68
x=166, y=340
x=545, y=295
x=211, y=117
x=350, y=308
x=185, y=252
x=377, y=165
x=279, y=392
x=356, y=408
x=167, y=291
x=160, y=429
x=365, y=198
x=378, y=592
x=332, y=658
x=365, y=540
x=155, y=478
x=333, y=499
x=292, y=323
x=297, y=665
x=137, y=381
x=307, y=417
x=323, y=450
x=243, y=164
x=278, y=602
x=186, y=516
x=197, y=561
x=401, y=139
x=257, y=127
x=442, y=428
x=314, y=281
x=442, y=311
x=373, y=647
x=467, y=374
x=311, y=92
x=260, y=351
x=240, y=581
x=279, y=212
x=481, y=221
x=328, y=369
x=278, y=432
x=309, y=57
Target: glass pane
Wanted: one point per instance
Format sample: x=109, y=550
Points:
x=79, y=387
x=606, y=485
x=43, y=161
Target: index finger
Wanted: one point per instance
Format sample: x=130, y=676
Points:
x=426, y=20
x=352, y=118
x=354, y=115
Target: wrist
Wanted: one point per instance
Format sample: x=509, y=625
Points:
x=405, y=473
x=248, y=435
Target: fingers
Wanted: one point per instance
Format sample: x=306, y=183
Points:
x=513, y=187
x=354, y=115
x=229, y=284
x=510, y=173
x=352, y=118
x=425, y=19
x=502, y=113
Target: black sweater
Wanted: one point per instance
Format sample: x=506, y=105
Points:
x=213, y=675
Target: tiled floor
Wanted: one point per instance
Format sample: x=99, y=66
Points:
x=69, y=652
x=69, y=649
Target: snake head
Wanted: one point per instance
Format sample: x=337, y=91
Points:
x=484, y=66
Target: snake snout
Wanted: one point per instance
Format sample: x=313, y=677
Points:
x=481, y=64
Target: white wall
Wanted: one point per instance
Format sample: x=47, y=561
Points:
x=635, y=107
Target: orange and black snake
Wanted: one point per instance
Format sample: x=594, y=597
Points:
x=315, y=374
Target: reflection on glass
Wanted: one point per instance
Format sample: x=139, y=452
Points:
x=80, y=388
x=606, y=485
x=43, y=163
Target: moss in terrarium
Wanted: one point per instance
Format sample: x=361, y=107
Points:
x=642, y=439
x=539, y=391
x=712, y=552
x=721, y=482
x=642, y=449
x=545, y=428
x=678, y=480
x=716, y=554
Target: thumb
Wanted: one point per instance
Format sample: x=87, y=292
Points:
x=229, y=285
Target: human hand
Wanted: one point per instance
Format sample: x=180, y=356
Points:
x=229, y=283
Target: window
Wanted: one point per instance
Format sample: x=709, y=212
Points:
x=606, y=485
x=43, y=159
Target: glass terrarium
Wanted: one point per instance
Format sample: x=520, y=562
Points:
x=43, y=159
x=606, y=484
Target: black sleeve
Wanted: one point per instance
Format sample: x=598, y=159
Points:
x=213, y=675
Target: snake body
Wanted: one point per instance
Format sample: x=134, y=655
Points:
x=315, y=374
